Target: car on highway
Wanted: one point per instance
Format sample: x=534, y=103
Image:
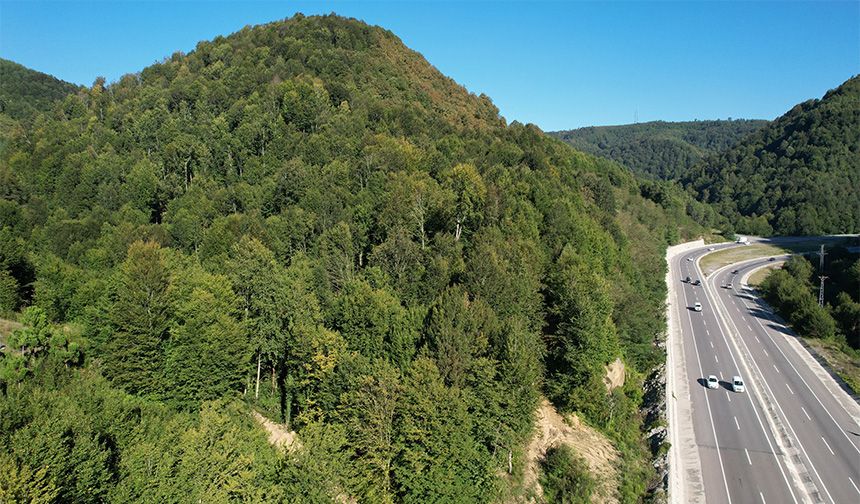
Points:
x=772, y=259
x=697, y=306
x=711, y=249
x=687, y=279
x=738, y=384
x=734, y=272
x=689, y=258
x=713, y=382
x=729, y=285
x=697, y=282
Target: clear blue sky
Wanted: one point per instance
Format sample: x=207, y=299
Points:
x=557, y=64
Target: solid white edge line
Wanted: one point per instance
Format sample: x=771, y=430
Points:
x=708, y=403
x=767, y=435
x=806, y=384
x=728, y=319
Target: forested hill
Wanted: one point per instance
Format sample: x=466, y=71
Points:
x=307, y=219
x=24, y=92
x=800, y=175
x=660, y=149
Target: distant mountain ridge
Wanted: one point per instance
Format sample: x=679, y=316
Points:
x=24, y=92
x=799, y=175
x=660, y=149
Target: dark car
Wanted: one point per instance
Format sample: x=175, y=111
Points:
x=772, y=259
x=687, y=279
x=734, y=272
x=697, y=282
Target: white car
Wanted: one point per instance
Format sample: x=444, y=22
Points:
x=713, y=382
x=711, y=249
x=697, y=306
x=738, y=384
x=729, y=285
x=689, y=258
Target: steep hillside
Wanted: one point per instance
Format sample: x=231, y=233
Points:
x=309, y=216
x=664, y=150
x=799, y=175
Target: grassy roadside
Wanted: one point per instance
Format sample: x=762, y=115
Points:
x=758, y=277
x=840, y=358
x=716, y=260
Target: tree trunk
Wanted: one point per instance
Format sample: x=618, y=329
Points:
x=257, y=387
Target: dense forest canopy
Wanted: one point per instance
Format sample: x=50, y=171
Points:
x=799, y=175
x=25, y=92
x=660, y=149
x=308, y=219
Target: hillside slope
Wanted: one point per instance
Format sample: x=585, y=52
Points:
x=664, y=150
x=799, y=175
x=25, y=92
x=310, y=216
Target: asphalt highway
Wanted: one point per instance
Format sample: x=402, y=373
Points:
x=786, y=439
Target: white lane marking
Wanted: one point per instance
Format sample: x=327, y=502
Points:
x=776, y=368
x=754, y=364
x=756, y=339
x=827, y=445
x=708, y=404
x=751, y=393
x=765, y=352
x=712, y=344
x=739, y=425
x=762, y=497
x=852, y=484
x=716, y=359
x=805, y=413
x=789, y=389
x=708, y=333
x=749, y=328
x=748, y=456
x=851, y=442
x=729, y=396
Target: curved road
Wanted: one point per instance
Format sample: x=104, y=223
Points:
x=789, y=438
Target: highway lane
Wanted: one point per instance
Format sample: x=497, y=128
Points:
x=740, y=459
x=824, y=435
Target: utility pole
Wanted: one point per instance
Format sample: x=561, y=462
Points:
x=821, y=291
x=821, y=276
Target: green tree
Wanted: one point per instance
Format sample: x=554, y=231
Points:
x=469, y=192
x=565, y=478
x=140, y=316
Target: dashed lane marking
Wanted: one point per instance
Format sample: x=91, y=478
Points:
x=739, y=425
x=827, y=445
x=748, y=456
x=789, y=389
x=805, y=413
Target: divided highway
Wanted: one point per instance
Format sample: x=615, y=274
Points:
x=788, y=438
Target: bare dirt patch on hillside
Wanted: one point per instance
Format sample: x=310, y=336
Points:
x=279, y=436
x=615, y=374
x=553, y=429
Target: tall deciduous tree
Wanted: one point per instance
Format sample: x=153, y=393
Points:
x=140, y=315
